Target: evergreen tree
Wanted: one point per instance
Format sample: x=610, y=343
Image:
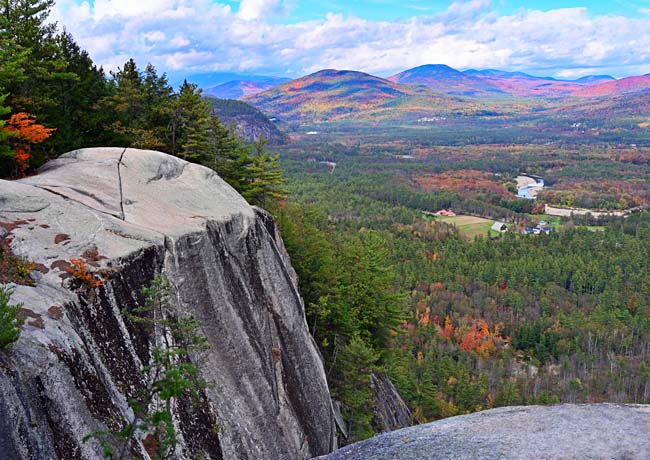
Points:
x=6, y=154
x=12, y=58
x=190, y=126
x=263, y=178
x=169, y=376
x=159, y=96
x=9, y=324
x=367, y=288
x=229, y=156
x=357, y=362
x=23, y=26
x=77, y=115
x=125, y=103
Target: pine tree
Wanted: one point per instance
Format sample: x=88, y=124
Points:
x=12, y=59
x=23, y=25
x=169, y=376
x=264, y=179
x=190, y=126
x=357, y=362
x=126, y=103
x=6, y=154
x=76, y=115
x=229, y=156
x=159, y=96
x=9, y=324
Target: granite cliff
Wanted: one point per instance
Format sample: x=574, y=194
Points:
x=131, y=215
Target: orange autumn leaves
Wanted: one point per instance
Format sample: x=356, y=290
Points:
x=462, y=182
x=470, y=334
x=25, y=132
x=79, y=269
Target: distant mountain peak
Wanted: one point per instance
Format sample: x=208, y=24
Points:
x=435, y=67
x=612, y=87
x=331, y=94
x=445, y=79
x=338, y=73
x=236, y=89
x=595, y=79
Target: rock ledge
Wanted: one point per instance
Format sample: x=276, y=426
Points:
x=562, y=432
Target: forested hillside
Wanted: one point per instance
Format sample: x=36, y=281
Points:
x=476, y=319
x=463, y=325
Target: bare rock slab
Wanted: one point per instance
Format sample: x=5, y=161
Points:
x=562, y=432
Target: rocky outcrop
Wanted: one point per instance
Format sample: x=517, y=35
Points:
x=563, y=432
x=391, y=412
x=248, y=122
x=130, y=215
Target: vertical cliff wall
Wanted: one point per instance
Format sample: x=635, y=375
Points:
x=131, y=215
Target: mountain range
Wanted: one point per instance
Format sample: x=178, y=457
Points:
x=445, y=79
x=434, y=90
x=330, y=95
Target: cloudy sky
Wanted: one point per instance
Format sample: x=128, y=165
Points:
x=291, y=38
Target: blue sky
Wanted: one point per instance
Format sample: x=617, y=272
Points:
x=388, y=10
x=566, y=39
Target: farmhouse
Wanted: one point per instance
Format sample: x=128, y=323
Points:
x=445, y=212
x=499, y=227
x=537, y=230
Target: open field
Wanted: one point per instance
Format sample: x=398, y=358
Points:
x=469, y=226
x=566, y=212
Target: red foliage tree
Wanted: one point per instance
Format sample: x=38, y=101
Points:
x=23, y=133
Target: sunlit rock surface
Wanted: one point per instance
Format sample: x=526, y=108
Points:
x=562, y=432
x=132, y=214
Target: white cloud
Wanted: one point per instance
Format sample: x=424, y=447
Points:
x=179, y=41
x=250, y=10
x=200, y=35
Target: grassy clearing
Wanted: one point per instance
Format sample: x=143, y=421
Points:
x=554, y=221
x=470, y=226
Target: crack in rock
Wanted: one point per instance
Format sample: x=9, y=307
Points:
x=119, y=178
x=65, y=197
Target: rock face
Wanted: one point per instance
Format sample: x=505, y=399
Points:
x=563, y=432
x=133, y=214
x=391, y=412
x=249, y=123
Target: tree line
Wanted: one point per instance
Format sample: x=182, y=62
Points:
x=54, y=99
